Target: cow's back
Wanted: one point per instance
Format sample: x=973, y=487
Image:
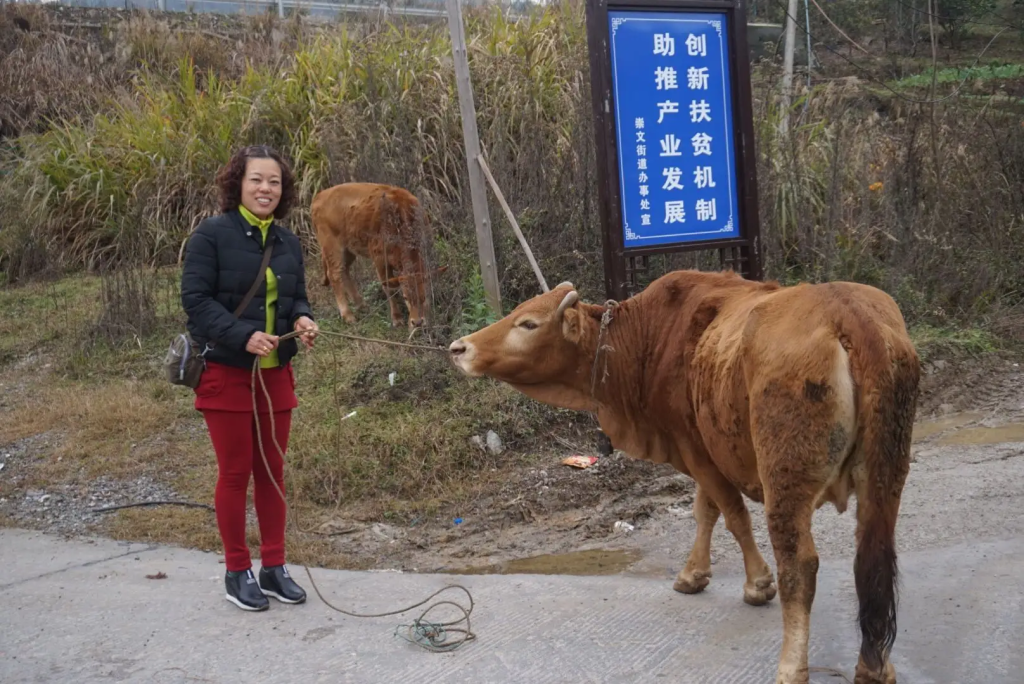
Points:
x=790, y=334
x=352, y=213
x=784, y=333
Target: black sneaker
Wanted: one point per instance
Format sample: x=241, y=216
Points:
x=244, y=591
x=275, y=581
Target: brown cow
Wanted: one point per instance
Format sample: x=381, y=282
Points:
x=792, y=396
x=379, y=222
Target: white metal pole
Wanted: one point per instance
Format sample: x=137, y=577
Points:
x=787, y=65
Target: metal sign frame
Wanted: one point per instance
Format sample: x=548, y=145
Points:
x=742, y=252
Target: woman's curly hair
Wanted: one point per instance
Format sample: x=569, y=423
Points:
x=229, y=179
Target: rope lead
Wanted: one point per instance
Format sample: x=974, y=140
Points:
x=431, y=636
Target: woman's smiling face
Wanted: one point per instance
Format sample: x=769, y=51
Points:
x=261, y=187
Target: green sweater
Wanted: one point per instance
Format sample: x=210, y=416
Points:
x=270, y=360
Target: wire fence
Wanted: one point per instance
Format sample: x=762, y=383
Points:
x=762, y=38
x=328, y=9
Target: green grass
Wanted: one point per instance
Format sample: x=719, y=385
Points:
x=956, y=74
x=932, y=341
x=43, y=314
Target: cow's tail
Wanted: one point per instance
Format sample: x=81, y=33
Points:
x=887, y=403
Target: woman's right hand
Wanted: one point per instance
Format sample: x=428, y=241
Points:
x=261, y=344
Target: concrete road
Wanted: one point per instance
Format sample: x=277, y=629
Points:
x=84, y=611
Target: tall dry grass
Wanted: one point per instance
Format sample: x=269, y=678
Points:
x=924, y=203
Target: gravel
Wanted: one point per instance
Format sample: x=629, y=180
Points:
x=64, y=508
x=68, y=509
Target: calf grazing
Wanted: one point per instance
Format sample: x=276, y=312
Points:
x=379, y=222
x=791, y=396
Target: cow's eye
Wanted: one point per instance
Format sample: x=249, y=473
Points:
x=529, y=325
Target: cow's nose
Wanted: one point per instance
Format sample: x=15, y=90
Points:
x=419, y=322
x=457, y=347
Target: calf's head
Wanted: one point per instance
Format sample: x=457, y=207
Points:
x=406, y=232
x=535, y=348
x=413, y=283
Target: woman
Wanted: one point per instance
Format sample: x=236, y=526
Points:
x=222, y=260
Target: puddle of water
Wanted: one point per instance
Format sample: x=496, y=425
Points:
x=1013, y=432
x=930, y=428
x=592, y=562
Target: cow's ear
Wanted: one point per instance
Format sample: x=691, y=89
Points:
x=571, y=324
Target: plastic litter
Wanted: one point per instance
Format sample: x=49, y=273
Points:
x=578, y=461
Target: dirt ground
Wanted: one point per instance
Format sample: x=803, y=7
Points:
x=618, y=514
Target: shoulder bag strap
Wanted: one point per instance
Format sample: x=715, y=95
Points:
x=259, y=277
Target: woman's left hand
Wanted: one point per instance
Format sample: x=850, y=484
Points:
x=308, y=327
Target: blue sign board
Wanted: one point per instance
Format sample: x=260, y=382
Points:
x=673, y=117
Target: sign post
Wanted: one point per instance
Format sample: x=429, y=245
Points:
x=673, y=120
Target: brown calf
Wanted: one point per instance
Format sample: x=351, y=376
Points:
x=791, y=396
x=379, y=222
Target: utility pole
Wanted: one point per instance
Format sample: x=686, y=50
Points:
x=477, y=182
x=787, y=64
x=807, y=30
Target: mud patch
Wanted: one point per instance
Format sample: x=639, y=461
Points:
x=931, y=428
x=989, y=383
x=416, y=380
x=1000, y=434
x=590, y=562
x=538, y=519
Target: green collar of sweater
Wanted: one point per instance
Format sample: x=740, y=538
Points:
x=273, y=360
x=254, y=221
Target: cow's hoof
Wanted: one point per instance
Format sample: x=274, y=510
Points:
x=796, y=678
x=397, y=324
x=693, y=583
x=863, y=676
x=760, y=592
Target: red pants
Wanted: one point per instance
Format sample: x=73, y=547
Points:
x=224, y=395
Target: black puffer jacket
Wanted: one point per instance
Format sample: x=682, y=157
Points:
x=222, y=259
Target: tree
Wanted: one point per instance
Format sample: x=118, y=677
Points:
x=955, y=15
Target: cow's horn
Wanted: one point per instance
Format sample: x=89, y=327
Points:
x=569, y=299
